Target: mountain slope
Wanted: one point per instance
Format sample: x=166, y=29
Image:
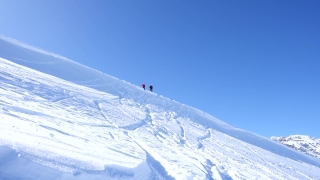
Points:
x=67, y=121
x=302, y=143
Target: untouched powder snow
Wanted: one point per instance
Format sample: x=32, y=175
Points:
x=62, y=120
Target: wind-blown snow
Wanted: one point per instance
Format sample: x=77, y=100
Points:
x=62, y=120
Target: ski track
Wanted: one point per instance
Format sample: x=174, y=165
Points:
x=201, y=139
x=65, y=120
x=98, y=105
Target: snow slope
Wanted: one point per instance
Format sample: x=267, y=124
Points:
x=62, y=120
x=306, y=144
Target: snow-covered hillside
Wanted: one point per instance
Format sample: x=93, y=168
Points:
x=306, y=144
x=62, y=120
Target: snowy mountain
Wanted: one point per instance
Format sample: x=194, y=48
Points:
x=62, y=120
x=306, y=144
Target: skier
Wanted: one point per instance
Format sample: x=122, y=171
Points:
x=144, y=86
x=151, y=88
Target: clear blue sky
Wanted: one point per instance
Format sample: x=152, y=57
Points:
x=253, y=64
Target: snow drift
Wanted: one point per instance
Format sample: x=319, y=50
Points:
x=62, y=120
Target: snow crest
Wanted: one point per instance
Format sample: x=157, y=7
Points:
x=60, y=120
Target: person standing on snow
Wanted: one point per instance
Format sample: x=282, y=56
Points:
x=151, y=88
x=144, y=86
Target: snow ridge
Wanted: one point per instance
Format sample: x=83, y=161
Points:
x=65, y=121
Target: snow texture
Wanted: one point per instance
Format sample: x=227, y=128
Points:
x=62, y=120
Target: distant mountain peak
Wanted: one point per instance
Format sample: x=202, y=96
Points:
x=303, y=143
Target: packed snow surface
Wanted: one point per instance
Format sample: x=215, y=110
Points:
x=62, y=120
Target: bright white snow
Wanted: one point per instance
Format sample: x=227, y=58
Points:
x=62, y=120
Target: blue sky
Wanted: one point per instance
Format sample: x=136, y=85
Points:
x=252, y=64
